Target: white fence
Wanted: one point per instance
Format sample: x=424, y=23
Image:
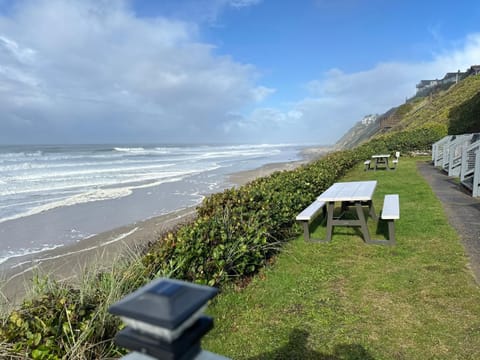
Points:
x=470, y=171
x=459, y=155
x=438, y=150
x=455, y=152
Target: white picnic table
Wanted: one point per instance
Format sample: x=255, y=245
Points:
x=381, y=159
x=355, y=193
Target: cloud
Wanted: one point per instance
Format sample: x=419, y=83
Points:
x=243, y=3
x=338, y=99
x=202, y=11
x=22, y=55
x=93, y=71
x=260, y=93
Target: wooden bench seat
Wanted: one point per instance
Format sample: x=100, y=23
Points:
x=390, y=213
x=367, y=164
x=308, y=214
x=395, y=159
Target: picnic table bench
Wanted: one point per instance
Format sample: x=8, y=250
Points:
x=395, y=159
x=308, y=214
x=390, y=213
x=367, y=164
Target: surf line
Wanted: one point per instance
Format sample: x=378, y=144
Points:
x=39, y=261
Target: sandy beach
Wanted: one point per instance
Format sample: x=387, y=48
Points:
x=70, y=262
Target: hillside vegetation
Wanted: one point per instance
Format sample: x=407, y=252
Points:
x=455, y=110
x=453, y=104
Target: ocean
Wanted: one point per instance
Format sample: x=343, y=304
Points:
x=55, y=195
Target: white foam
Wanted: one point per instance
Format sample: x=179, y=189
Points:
x=143, y=151
x=89, y=172
x=79, y=180
x=39, y=179
x=39, y=260
x=134, y=149
x=25, y=252
x=91, y=196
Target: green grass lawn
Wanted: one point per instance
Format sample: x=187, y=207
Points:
x=350, y=300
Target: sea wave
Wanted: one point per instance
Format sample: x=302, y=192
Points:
x=40, y=178
x=132, y=149
x=114, y=240
x=35, y=262
x=81, y=180
x=110, y=166
x=20, y=154
x=7, y=255
x=88, y=197
x=143, y=151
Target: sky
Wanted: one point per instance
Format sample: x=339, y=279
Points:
x=219, y=71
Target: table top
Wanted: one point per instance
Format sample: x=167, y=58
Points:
x=381, y=156
x=349, y=191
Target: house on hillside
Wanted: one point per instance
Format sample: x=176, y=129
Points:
x=369, y=119
x=426, y=84
x=474, y=70
x=453, y=77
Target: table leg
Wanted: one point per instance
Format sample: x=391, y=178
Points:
x=330, y=209
x=363, y=222
x=371, y=210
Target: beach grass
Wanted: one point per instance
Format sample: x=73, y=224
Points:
x=349, y=300
x=93, y=292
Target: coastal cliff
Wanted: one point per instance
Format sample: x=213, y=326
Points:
x=456, y=108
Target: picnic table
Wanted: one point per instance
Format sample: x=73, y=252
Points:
x=382, y=160
x=356, y=193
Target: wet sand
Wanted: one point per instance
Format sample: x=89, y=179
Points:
x=70, y=262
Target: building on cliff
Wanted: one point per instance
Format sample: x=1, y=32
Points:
x=424, y=86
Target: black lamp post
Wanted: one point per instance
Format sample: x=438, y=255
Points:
x=165, y=319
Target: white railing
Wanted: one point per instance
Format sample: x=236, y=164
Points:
x=455, y=152
x=476, y=177
x=447, y=146
x=438, y=150
x=459, y=155
x=470, y=168
x=468, y=160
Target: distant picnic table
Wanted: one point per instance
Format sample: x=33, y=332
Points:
x=381, y=161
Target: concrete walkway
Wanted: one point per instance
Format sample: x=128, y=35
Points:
x=462, y=209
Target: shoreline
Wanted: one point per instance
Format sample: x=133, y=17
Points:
x=69, y=262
